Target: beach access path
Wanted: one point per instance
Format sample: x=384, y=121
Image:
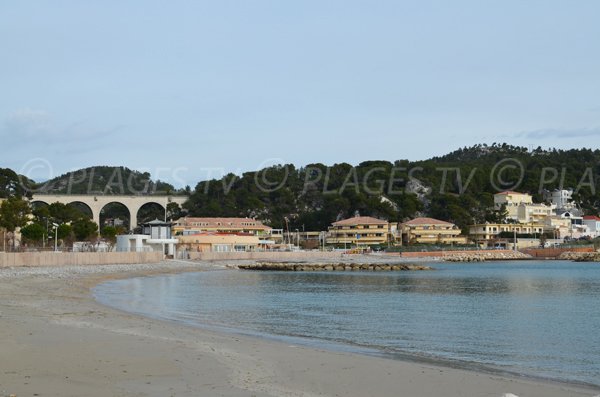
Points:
x=56, y=340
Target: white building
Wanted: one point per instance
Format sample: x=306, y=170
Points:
x=593, y=224
x=561, y=198
x=156, y=237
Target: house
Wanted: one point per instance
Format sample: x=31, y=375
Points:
x=430, y=231
x=359, y=230
x=156, y=236
x=561, y=198
x=578, y=227
x=218, y=242
x=521, y=208
x=593, y=224
x=510, y=198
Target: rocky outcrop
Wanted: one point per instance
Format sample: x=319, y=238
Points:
x=580, y=256
x=311, y=267
x=486, y=255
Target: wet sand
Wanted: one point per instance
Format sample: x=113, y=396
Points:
x=55, y=340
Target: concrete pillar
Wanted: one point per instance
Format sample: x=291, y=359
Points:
x=133, y=216
x=96, y=218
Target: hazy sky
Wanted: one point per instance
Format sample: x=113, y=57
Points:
x=183, y=89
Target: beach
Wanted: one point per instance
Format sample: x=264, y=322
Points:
x=56, y=340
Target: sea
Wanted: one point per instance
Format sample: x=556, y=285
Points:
x=529, y=318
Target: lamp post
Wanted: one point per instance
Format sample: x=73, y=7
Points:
x=298, y=239
x=55, y=236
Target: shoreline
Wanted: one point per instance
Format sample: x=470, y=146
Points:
x=51, y=317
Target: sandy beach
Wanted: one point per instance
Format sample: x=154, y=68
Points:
x=56, y=340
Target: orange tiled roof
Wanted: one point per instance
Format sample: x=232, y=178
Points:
x=591, y=218
x=360, y=220
x=427, y=221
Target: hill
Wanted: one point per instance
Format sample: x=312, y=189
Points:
x=105, y=180
x=13, y=184
x=457, y=187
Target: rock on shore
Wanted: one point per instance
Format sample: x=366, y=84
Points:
x=486, y=255
x=311, y=267
x=580, y=256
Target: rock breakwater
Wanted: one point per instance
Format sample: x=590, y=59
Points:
x=486, y=256
x=311, y=267
x=580, y=256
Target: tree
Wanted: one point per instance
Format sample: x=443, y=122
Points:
x=33, y=232
x=13, y=185
x=109, y=233
x=85, y=229
x=174, y=211
x=64, y=231
x=14, y=213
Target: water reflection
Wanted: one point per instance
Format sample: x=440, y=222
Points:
x=539, y=318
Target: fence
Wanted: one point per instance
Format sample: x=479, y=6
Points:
x=18, y=259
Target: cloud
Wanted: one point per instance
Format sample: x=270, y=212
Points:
x=560, y=133
x=38, y=129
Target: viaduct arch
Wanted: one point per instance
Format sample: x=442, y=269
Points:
x=97, y=202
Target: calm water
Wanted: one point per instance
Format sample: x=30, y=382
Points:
x=533, y=318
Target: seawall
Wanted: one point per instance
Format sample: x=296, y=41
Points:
x=276, y=255
x=555, y=252
x=17, y=259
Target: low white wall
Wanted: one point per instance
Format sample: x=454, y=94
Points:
x=16, y=259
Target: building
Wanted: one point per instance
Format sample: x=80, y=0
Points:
x=359, y=230
x=578, y=228
x=521, y=208
x=558, y=226
x=561, y=198
x=593, y=224
x=156, y=236
x=534, y=213
x=193, y=225
x=430, y=231
x=487, y=233
x=510, y=199
x=218, y=242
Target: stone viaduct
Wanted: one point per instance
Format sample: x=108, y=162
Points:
x=97, y=202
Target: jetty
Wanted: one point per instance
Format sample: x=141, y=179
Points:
x=332, y=267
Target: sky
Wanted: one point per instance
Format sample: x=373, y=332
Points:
x=190, y=90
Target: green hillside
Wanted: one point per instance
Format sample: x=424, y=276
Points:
x=105, y=180
x=457, y=187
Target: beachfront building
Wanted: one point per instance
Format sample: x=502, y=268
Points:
x=593, y=224
x=218, y=242
x=578, y=228
x=359, y=231
x=430, y=231
x=156, y=236
x=488, y=233
x=558, y=226
x=195, y=225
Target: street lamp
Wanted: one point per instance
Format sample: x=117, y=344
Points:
x=55, y=236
